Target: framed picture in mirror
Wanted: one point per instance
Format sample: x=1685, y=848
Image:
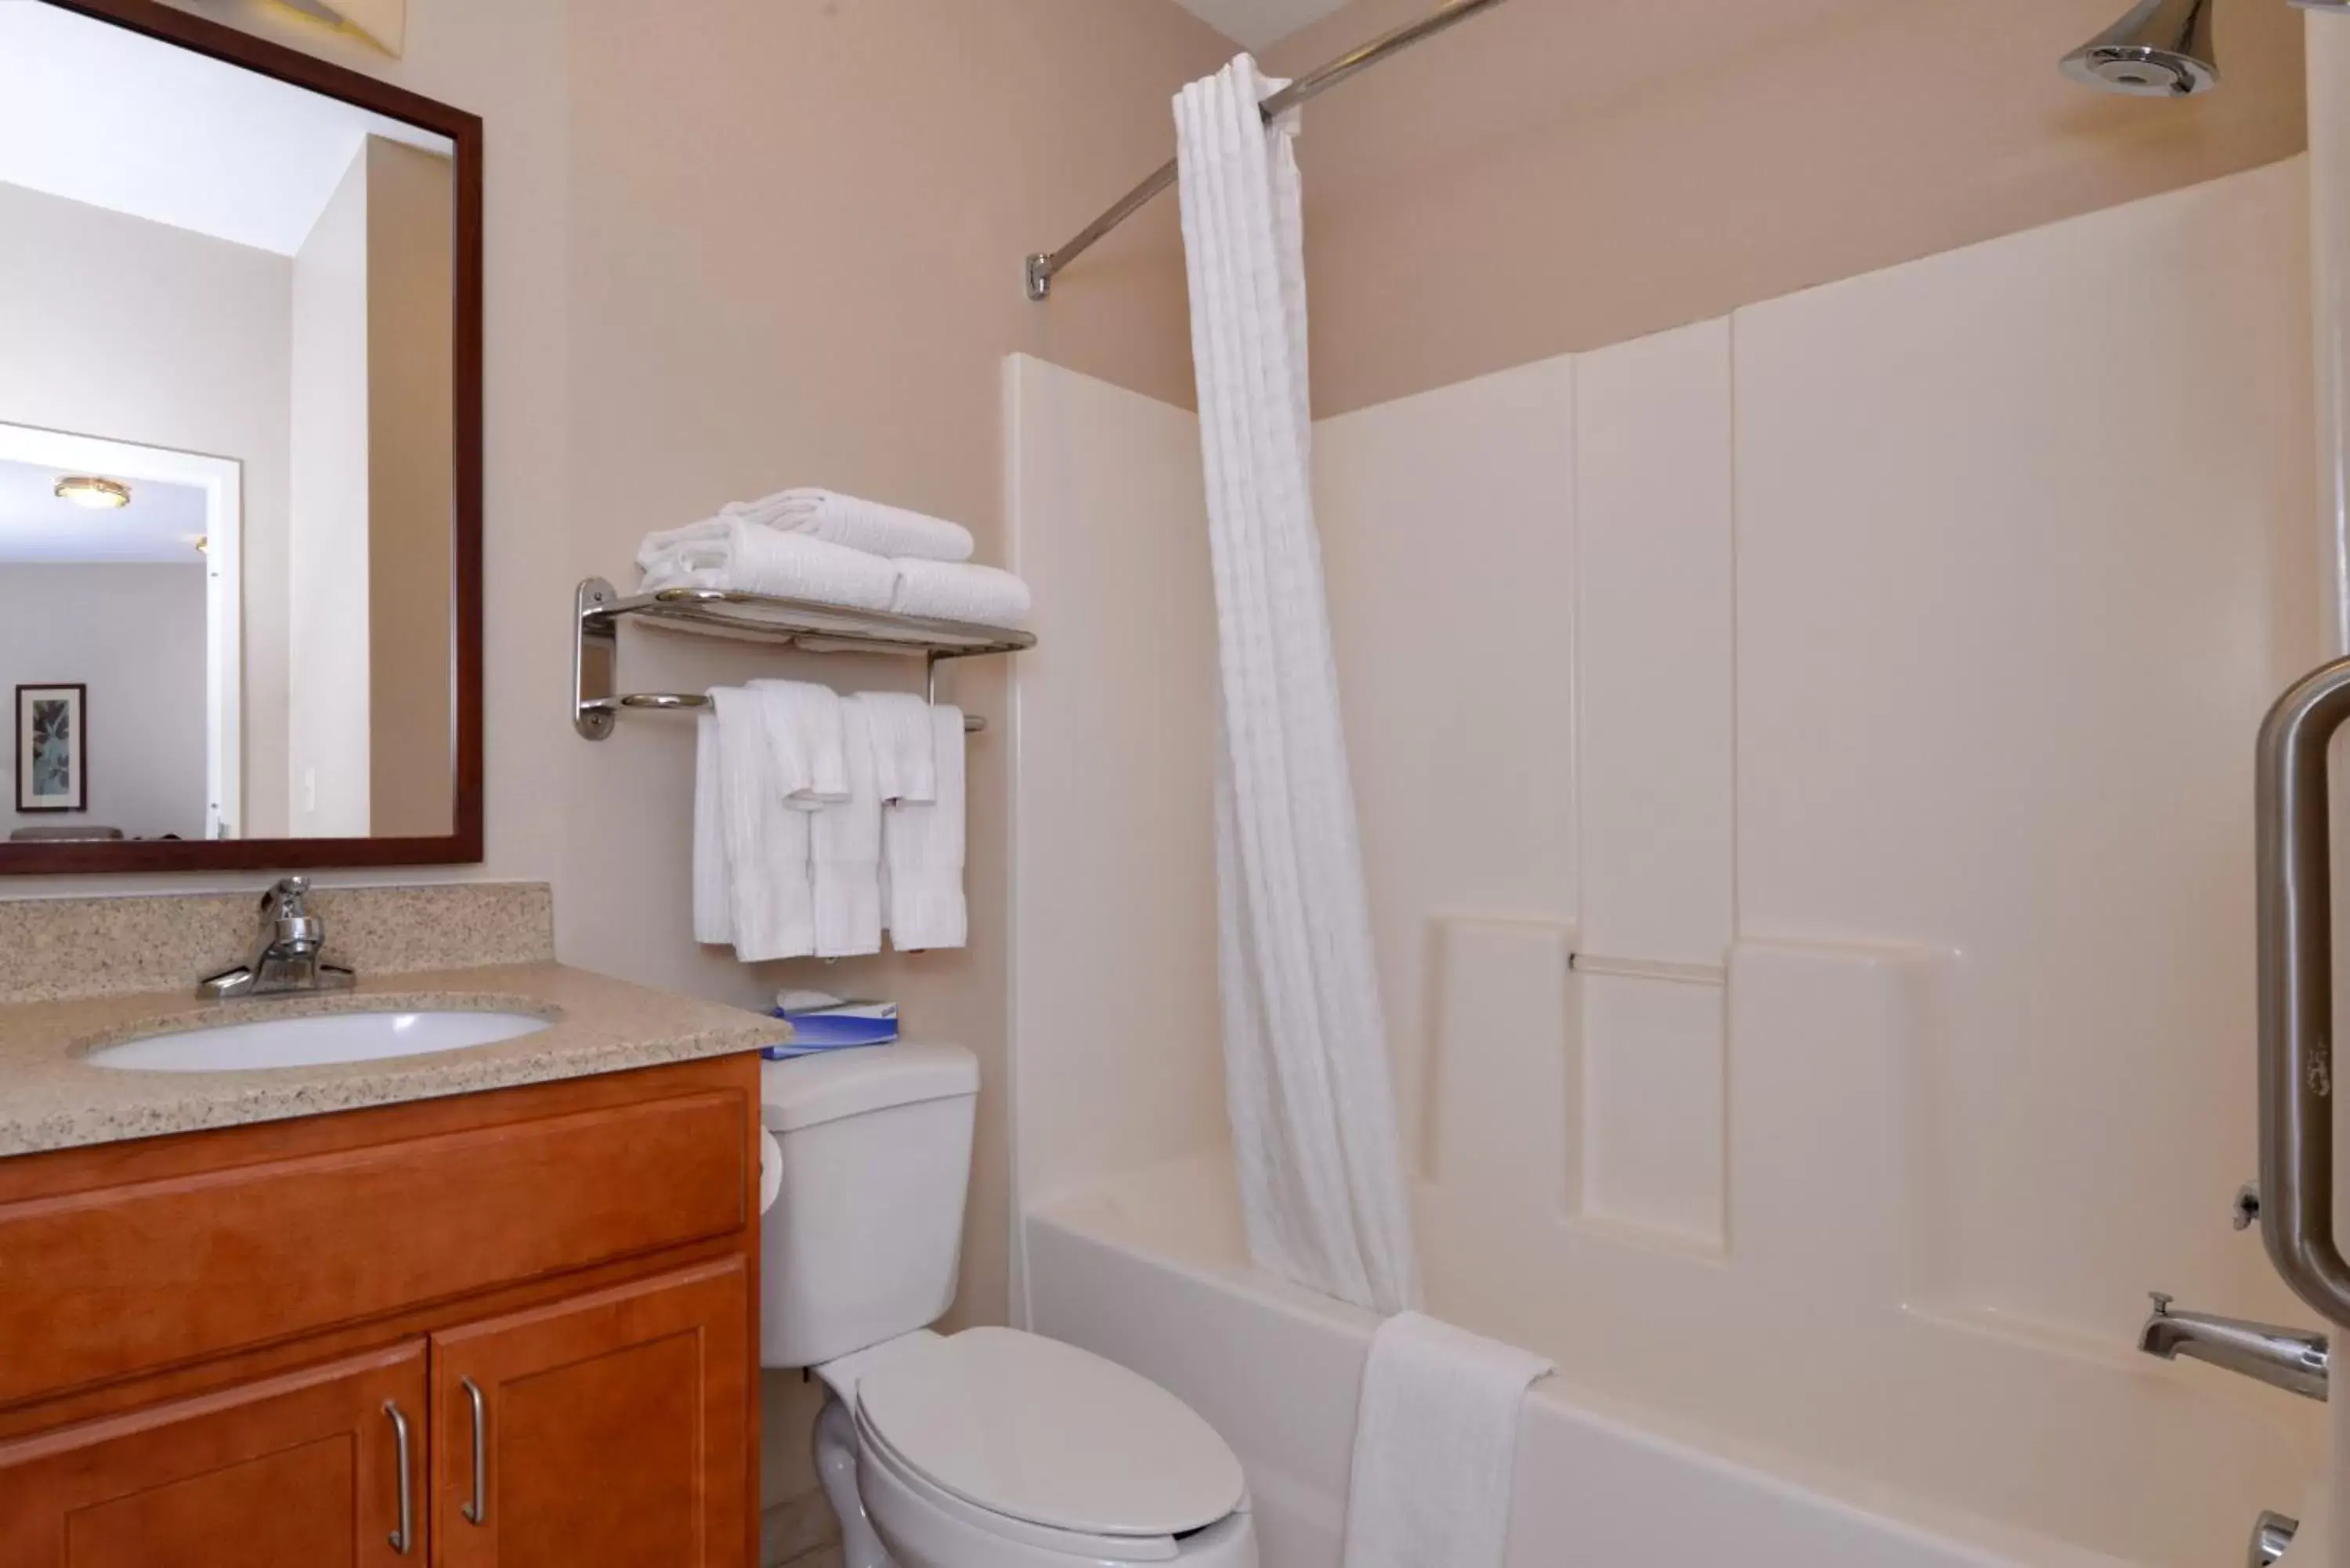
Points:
x=240, y=450
x=52, y=748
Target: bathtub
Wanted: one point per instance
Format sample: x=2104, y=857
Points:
x=1148, y=1269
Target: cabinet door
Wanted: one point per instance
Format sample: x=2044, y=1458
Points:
x=611, y=1430
x=297, y=1471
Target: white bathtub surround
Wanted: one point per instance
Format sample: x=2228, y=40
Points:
x=860, y=524
x=1436, y=1443
x=1918, y=817
x=922, y=850
x=1151, y=1272
x=905, y=761
x=959, y=590
x=1305, y=1043
x=771, y=908
x=845, y=849
x=729, y=553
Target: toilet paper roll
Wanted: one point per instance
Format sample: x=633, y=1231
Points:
x=771, y=1170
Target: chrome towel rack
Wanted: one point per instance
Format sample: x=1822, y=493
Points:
x=599, y=608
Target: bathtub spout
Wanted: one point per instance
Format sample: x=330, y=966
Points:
x=2280, y=1357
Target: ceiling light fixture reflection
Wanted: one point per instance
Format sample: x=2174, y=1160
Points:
x=96, y=494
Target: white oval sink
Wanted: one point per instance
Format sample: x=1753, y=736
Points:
x=313, y=1040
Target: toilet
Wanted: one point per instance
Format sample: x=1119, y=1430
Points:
x=988, y=1448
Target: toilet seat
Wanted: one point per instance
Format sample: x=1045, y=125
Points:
x=889, y=1485
x=1049, y=1443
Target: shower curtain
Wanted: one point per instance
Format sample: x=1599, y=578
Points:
x=1305, y=1062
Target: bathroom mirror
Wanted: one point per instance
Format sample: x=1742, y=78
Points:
x=240, y=452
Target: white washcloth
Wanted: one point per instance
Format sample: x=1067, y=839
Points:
x=1435, y=1441
x=729, y=553
x=945, y=590
x=860, y=525
x=905, y=762
x=922, y=851
x=712, y=917
x=803, y=726
x=771, y=902
x=844, y=850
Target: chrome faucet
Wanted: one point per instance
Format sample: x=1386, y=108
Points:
x=2280, y=1357
x=285, y=960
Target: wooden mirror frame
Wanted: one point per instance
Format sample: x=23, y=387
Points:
x=463, y=846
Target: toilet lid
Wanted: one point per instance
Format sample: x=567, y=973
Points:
x=1045, y=1432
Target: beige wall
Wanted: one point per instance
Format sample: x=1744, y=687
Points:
x=85, y=293
x=411, y=295
x=1561, y=175
x=797, y=235
x=327, y=551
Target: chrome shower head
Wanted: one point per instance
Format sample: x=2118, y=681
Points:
x=2161, y=49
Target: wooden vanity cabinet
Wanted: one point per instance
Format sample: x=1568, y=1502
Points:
x=585, y=1394
x=296, y=1471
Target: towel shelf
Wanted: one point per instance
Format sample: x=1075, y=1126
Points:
x=598, y=609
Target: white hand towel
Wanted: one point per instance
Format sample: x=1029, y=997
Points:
x=770, y=901
x=945, y=590
x=1435, y=1441
x=922, y=848
x=713, y=918
x=729, y=553
x=860, y=525
x=803, y=726
x=844, y=850
x=905, y=762
x=682, y=547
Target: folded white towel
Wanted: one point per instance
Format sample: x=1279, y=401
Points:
x=1436, y=1439
x=905, y=762
x=844, y=850
x=729, y=553
x=803, y=726
x=943, y=590
x=713, y=918
x=771, y=903
x=923, y=849
x=860, y=525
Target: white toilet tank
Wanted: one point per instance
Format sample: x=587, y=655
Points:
x=864, y=1239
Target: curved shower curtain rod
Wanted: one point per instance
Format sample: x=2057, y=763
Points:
x=1045, y=265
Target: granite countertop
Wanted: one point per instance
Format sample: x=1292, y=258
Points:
x=50, y=1098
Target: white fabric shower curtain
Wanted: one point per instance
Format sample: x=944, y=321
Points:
x=1305, y=1061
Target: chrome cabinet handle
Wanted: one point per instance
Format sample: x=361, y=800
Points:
x=478, y=1511
x=2296, y=991
x=404, y=1536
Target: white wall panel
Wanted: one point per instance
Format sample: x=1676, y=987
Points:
x=1653, y=626
x=1447, y=538
x=1115, y=1020
x=2024, y=551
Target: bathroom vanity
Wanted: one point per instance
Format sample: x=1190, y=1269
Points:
x=494, y=1305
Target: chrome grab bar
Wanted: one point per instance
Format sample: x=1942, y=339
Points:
x=2296, y=990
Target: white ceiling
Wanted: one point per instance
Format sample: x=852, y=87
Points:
x=160, y=524
x=1251, y=24
x=94, y=114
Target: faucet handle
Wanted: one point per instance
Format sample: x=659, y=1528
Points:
x=2161, y=1303
x=287, y=896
